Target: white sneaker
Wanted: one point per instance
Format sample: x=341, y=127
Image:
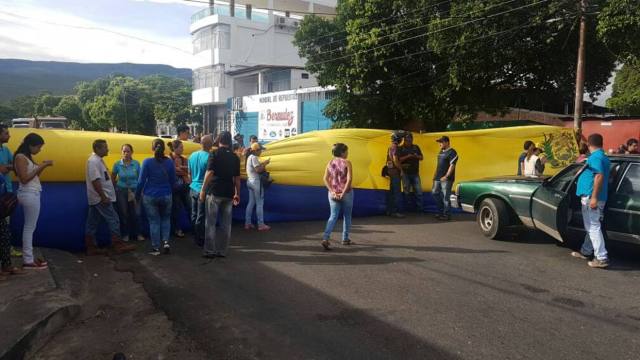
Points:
x=125, y=238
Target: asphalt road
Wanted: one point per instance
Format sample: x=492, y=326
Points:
x=411, y=288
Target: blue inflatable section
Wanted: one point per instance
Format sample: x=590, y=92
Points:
x=64, y=211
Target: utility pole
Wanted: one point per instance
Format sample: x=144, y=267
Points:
x=577, y=110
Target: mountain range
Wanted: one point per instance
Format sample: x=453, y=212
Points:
x=25, y=77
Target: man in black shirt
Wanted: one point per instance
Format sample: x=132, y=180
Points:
x=410, y=157
x=221, y=188
x=444, y=177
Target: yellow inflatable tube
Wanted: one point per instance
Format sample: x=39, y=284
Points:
x=301, y=160
x=70, y=150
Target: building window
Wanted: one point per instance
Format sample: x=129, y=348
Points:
x=209, y=77
x=212, y=37
x=276, y=80
x=305, y=75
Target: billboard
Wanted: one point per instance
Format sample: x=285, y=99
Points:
x=277, y=115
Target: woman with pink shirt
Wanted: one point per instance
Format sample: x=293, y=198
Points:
x=337, y=179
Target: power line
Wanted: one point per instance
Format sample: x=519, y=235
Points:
x=81, y=27
x=424, y=34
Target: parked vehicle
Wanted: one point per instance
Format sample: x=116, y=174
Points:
x=550, y=205
x=46, y=122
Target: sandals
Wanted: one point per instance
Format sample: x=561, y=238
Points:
x=325, y=244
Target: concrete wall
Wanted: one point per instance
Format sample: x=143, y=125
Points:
x=614, y=131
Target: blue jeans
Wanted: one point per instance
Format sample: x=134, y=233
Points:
x=594, y=240
x=218, y=245
x=409, y=182
x=197, y=217
x=129, y=212
x=346, y=204
x=442, y=194
x=158, y=211
x=180, y=200
x=394, y=194
x=100, y=212
x=256, y=198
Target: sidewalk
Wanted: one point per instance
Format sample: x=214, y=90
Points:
x=33, y=307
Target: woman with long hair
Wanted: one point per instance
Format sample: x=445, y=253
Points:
x=256, y=191
x=157, y=179
x=125, y=174
x=181, y=191
x=338, y=176
x=28, y=172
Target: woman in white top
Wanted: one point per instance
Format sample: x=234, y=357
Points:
x=28, y=173
x=533, y=164
x=256, y=192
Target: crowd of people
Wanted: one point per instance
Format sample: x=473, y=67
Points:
x=207, y=185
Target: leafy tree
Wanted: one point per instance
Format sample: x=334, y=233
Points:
x=172, y=98
x=7, y=113
x=69, y=107
x=24, y=105
x=45, y=104
x=397, y=61
x=619, y=26
x=625, y=98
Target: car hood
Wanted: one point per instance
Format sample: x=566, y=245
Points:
x=513, y=179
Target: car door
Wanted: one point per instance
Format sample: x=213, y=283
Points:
x=550, y=203
x=622, y=216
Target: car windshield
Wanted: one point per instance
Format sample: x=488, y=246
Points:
x=563, y=180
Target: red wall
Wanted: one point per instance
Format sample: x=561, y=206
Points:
x=615, y=132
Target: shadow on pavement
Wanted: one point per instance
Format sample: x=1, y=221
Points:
x=241, y=308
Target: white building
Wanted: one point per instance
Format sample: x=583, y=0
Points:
x=245, y=48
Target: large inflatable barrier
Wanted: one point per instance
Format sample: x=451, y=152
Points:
x=297, y=167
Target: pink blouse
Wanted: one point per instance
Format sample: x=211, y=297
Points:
x=338, y=170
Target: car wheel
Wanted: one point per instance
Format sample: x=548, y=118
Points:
x=492, y=217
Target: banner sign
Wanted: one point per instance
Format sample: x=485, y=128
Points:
x=277, y=115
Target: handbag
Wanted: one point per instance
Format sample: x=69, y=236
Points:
x=8, y=201
x=265, y=179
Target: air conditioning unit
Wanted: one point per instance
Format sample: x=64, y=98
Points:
x=287, y=23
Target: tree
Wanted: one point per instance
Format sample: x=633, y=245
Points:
x=172, y=99
x=619, y=26
x=7, y=113
x=397, y=61
x=45, y=104
x=24, y=105
x=69, y=107
x=625, y=98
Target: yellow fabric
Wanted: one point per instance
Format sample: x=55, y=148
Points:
x=301, y=160
x=70, y=150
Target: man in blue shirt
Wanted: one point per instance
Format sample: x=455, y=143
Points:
x=592, y=188
x=197, y=168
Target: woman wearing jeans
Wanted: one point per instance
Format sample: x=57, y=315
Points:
x=157, y=179
x=180, y=198
x=256, y=191
x=125, y=174
x=29, y=194
x=337, y=178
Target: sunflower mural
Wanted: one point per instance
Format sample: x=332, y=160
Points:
x=560, y=148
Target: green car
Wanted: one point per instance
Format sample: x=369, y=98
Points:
x=550, y=204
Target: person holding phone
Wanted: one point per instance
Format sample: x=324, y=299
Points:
x=256, y=190
x=338, y=176
x=28, y=172
x=221, y=190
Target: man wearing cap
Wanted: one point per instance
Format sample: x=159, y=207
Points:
x=410, y=157
x=394, y=171
x=444, y=177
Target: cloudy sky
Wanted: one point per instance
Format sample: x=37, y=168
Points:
x=137, y=31
x=108, y=31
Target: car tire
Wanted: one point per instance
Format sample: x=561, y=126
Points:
x=492, y=217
